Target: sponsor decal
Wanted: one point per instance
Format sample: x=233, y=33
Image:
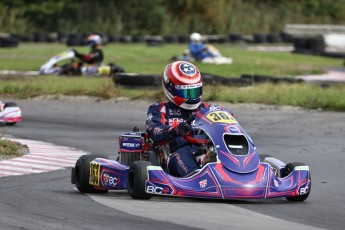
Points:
x=303, y=190
x=175, y=121
x=215, y=108
x=94, y=173
x=304, y=167
x=157, y=131
x=109, y=181
x=129, y=145
x=158, y=190
x=105, y=178
x=193, y=86
x=175, y=112
x=154, y=168
x=203, y=183
x=149, y=118
x=233, y=129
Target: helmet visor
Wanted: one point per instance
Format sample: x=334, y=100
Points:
x=188, y=91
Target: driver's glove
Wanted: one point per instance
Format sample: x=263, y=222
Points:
x=183, y=129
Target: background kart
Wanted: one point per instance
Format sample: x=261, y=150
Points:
x=10, y=113
x=239, y=172
x=52, y=67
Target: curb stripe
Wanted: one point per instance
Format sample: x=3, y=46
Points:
x=43, y=157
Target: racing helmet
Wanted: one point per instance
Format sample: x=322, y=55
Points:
x=182, y=84
x=195, y=37
x=93, y=40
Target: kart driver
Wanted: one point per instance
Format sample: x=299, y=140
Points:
x=166, y=121
x=94, y=58
x=90, y=62
x=198, y=50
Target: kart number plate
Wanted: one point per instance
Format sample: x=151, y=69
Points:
x=94, y=173
x=221, y=117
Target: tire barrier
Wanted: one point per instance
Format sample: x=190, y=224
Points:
x=6, y=42
x=260, y=38
x=274, y=38
x=136, y=79
x=309, y=45
x=235, y=37
x=269, y=79
x=77, y=39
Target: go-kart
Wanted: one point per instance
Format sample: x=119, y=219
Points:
x=214, y=57
x=239, y=172
x=52, y=67
x=10, y=113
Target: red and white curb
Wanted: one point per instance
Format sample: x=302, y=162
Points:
x=43, y=157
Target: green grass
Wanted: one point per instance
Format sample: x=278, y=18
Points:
x=140, y=58
x=151, y=60
x=8, y=148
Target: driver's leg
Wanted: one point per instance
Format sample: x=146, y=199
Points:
x=182, y=161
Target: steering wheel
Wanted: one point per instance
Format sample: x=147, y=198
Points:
x=189, y=137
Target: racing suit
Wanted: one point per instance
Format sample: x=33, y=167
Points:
x=199, y=51
x=93, y=60
x=161, y=124
x=95, y=57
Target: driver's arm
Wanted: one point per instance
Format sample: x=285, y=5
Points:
x=156, y=125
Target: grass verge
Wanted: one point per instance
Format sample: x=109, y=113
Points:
x=304, y=95
x=9, y=148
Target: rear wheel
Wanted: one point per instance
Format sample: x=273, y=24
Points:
x=288, y=169
x=82, y=172
x=136, y=182
x=127, y=158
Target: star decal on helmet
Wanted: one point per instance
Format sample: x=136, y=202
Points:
x=187, y=69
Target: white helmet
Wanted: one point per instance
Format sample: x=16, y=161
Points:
x=195, y=37
x=94, y=40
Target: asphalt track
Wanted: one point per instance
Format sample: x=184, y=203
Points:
x=49, y=201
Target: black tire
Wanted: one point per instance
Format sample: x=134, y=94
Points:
x=288, y=169
x=134, y=79
x=10, y=104
x=8, y=42
x=129, y=158
x=154, y=158
x=263, y=156
x=137, y=177
x=82, y=172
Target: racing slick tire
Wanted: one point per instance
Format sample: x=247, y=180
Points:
x=154, y=158
x=127, y=158
x=81, y=174
x=136, y=181
x=10, y=104
x=263, y=157
x=288, y=169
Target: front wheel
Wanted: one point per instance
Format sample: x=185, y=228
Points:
x=82, y=173
x=288, y=169
x=136, y=182
x=10, y=104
